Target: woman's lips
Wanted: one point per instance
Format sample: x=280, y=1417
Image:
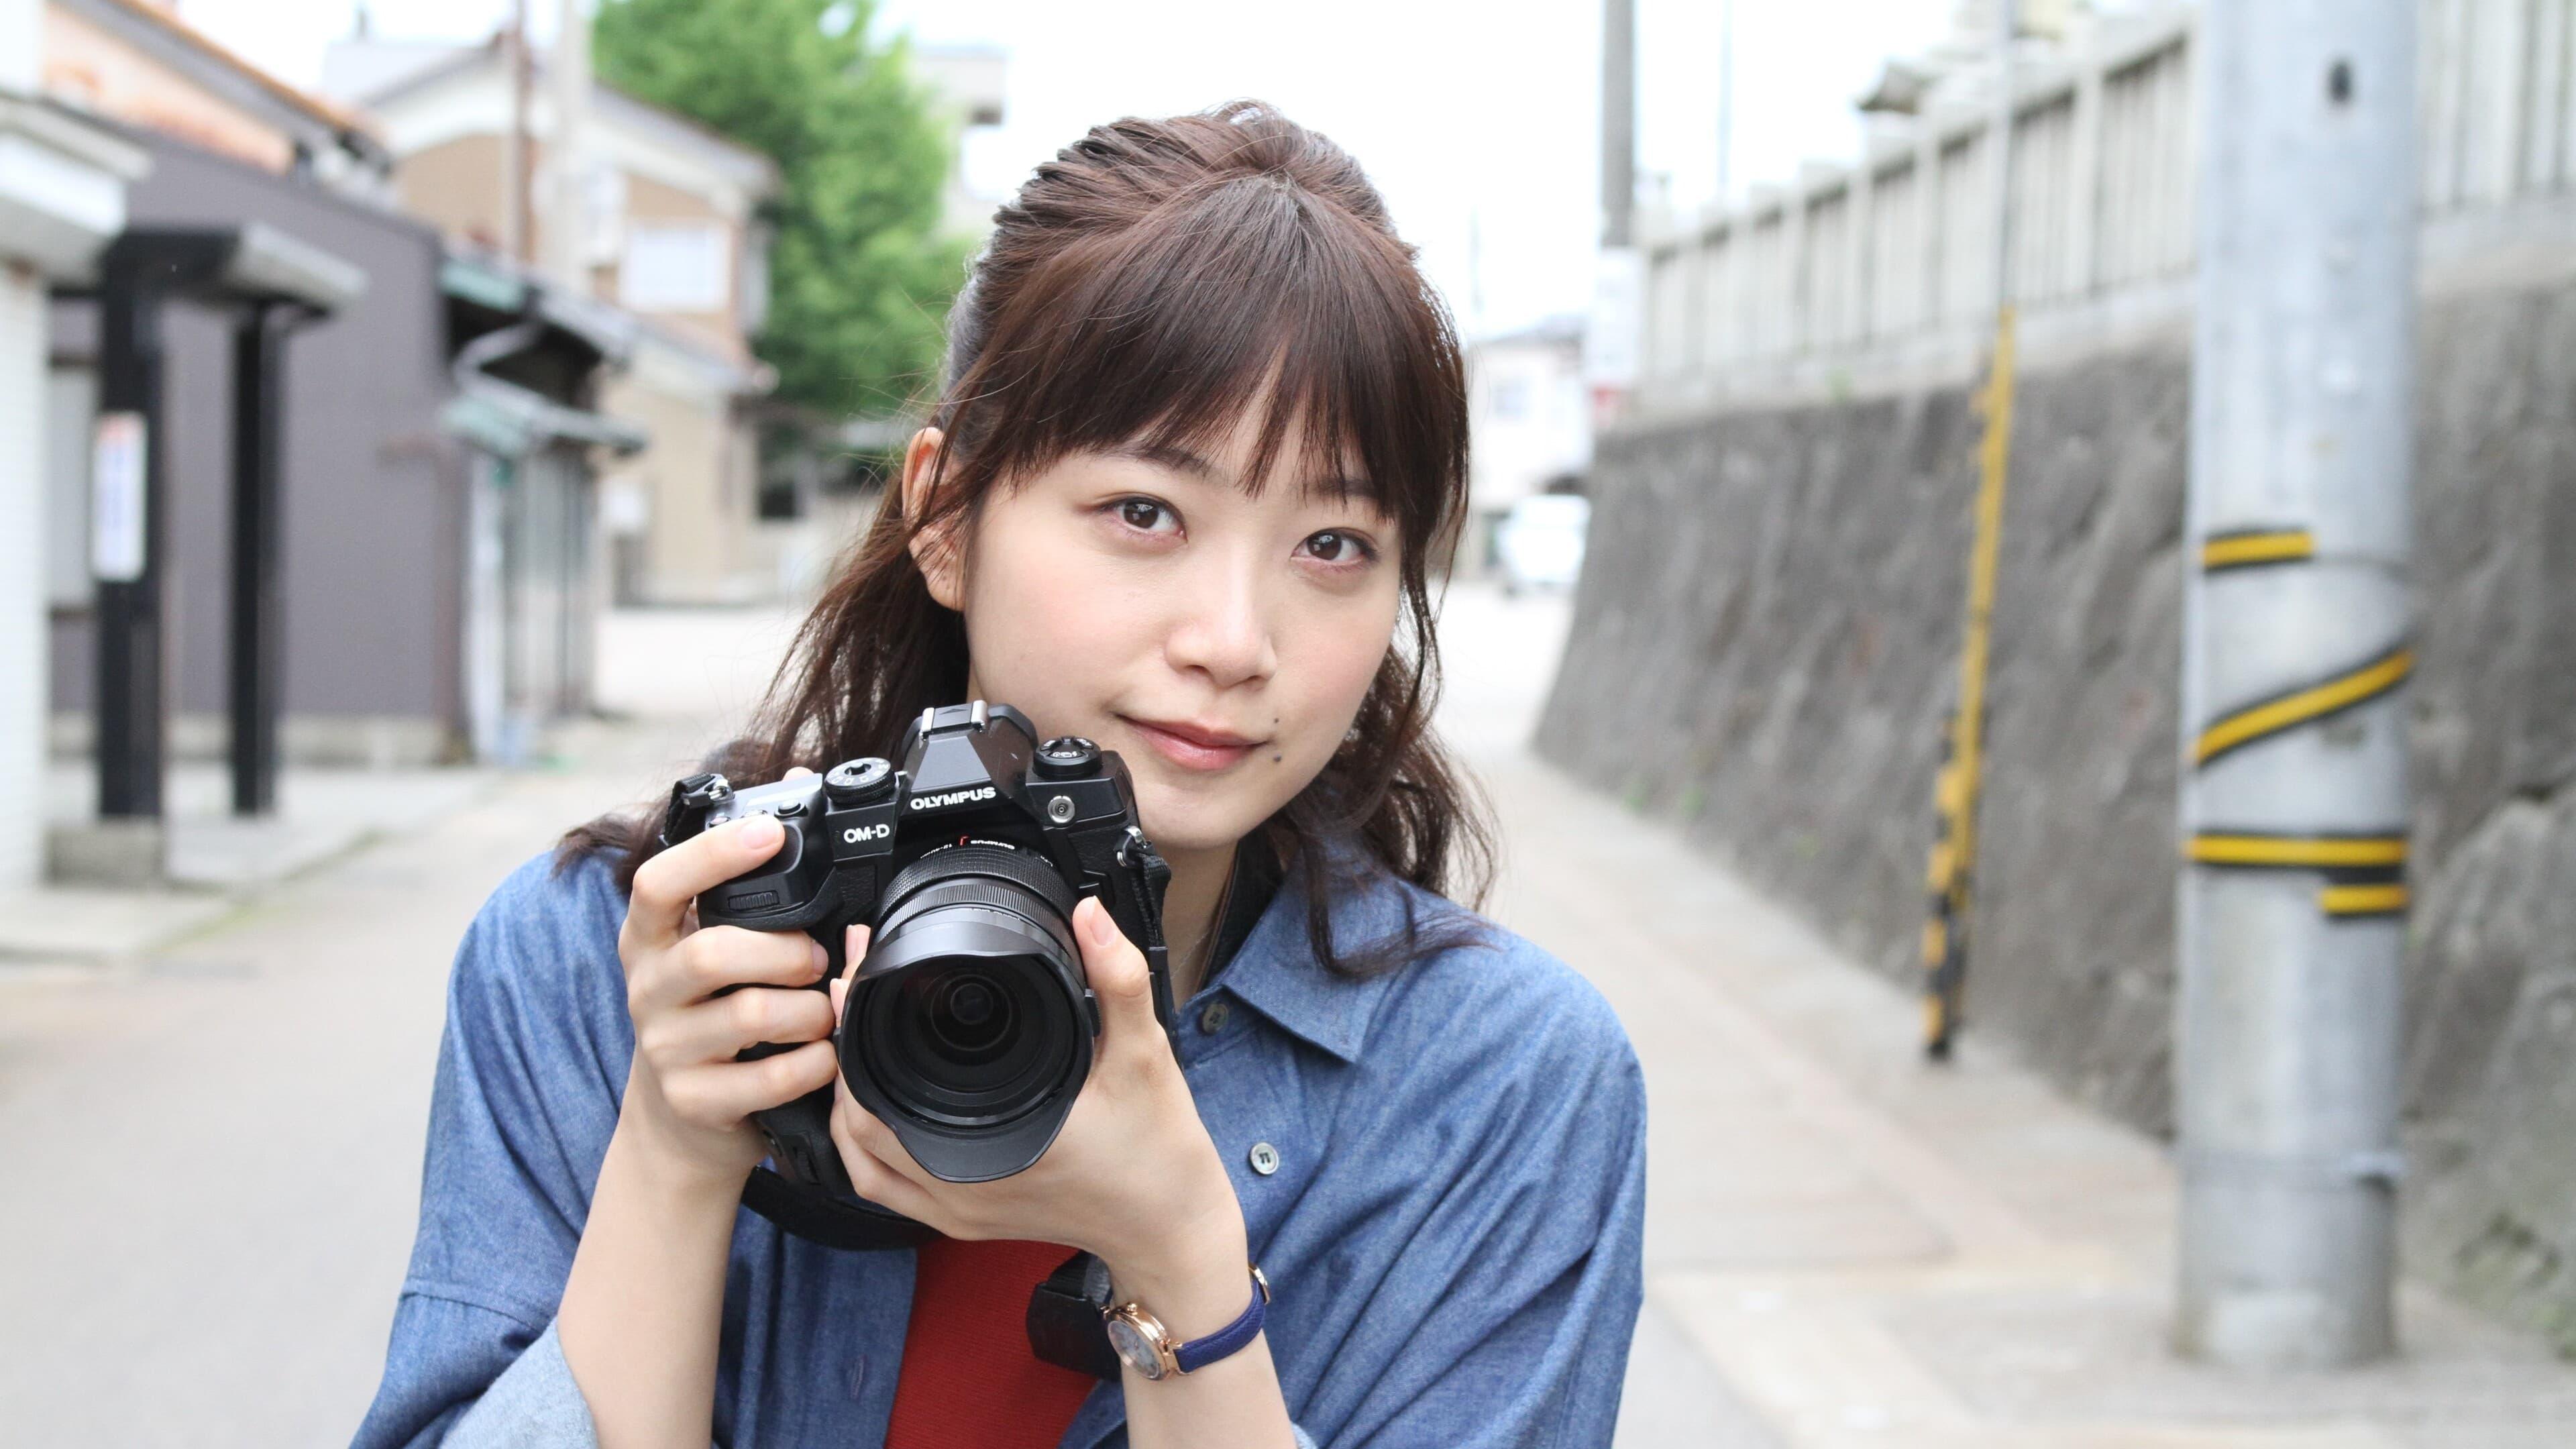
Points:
x=1193, y=747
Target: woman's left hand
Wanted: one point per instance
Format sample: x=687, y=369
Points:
x=1133, y=1177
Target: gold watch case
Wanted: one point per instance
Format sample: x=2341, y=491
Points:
x=1142, y=1342
x=1145, y=1345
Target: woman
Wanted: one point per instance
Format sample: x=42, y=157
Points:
x=1203, y=438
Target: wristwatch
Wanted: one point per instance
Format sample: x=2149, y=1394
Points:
x=1146, y=1346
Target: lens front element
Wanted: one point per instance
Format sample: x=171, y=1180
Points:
x=965, y=1031
x=969, y=1016
x=969, y=1041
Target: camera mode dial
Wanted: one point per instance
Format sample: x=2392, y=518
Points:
x=1067, y=757
x=859, y=781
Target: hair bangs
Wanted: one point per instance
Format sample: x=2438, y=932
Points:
x=1238, y=296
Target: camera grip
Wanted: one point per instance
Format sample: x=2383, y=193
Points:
x=809, y=1192
x=800, y=1142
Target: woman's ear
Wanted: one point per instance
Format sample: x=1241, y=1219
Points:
x=934, y=549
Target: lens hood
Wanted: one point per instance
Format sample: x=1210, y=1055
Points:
x=968, y=1029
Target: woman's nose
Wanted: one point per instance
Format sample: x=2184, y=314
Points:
x=1224, y=630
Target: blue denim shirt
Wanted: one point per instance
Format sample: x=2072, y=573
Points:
x=1453, y=1225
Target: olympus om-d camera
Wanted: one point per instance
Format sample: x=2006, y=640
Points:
x=969, y=1024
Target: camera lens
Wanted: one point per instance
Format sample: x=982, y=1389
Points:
x=967, y=1042
x=967, y=1018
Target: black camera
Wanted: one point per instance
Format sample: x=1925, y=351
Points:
x=969, y=1025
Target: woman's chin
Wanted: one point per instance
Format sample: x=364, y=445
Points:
x=1192, y=828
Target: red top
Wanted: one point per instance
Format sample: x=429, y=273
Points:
x=969, y=1380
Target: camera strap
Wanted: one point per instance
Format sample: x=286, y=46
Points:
x=835, y=1222
x=829, y=1212
x=1065, y=1323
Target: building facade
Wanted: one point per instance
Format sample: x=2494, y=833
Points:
x=143, y=64
x=438, y=497
x=969, y=84
x=62, y=199
x=673, y=236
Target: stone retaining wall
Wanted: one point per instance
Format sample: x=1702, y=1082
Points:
x=1766, y=638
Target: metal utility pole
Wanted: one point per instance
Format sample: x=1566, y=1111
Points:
x=1618, y=123
x=2291, y=931
x=255, y=678
x=1725, y=101
x=567, y=228
x=518, y=162
x=128, y=526
x=1475, y=274
x=1961, y=784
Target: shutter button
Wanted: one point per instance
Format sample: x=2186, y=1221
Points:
x=1265, y=1158
x=1213, y=1016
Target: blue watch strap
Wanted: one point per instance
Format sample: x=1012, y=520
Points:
x=1198, y=1353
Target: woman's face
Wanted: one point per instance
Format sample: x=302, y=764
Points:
x=1218, y=637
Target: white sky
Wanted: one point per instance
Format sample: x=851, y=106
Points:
x=1475, y=117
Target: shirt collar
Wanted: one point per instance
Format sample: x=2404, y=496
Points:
x=1276, y=974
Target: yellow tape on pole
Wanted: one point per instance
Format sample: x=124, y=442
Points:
x=2298, y=852
x=2309, y=702
x=1963, y=778
x=2385, y=899
x=2258, y=546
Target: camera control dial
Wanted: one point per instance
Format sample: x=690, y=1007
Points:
x=1067, y=757
x=859, y=781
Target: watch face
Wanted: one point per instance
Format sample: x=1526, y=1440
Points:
x=1135, y=1348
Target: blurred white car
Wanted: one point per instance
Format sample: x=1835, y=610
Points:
x=1540, y=542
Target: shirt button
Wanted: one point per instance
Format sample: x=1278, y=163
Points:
x=1213, y=1016
x=1265, y=1158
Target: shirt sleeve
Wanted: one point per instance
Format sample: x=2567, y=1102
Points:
x=526, y=1096
x=534, y=1404
x=1503, y=1268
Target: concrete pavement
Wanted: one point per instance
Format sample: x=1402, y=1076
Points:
x=1847, y=1246
x=213, y=1150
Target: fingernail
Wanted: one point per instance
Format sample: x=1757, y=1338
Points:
x=759, y=830
x=822, y=958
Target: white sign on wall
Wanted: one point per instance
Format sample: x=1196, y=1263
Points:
x=116, y=503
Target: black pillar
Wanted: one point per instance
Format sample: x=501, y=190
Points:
x=254, y=686
x=129, y=707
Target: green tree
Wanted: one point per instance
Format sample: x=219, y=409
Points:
x=860, y=274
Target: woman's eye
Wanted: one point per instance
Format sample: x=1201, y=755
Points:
x=1146, y=516
x=1333, y=546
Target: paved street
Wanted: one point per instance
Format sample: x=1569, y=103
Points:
x=212, y=1152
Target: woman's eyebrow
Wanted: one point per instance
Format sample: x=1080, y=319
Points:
x=1346, y=488
x=1176, y=458
x=1340, y=487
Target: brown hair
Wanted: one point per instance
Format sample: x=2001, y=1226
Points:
x=1148, y=286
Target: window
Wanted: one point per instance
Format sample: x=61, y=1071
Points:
x=604, y=199
x=674, y=267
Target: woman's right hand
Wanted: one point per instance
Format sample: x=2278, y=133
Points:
x=688, y=1102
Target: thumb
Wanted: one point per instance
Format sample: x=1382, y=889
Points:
x=854, y=946
x=1117, y=973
